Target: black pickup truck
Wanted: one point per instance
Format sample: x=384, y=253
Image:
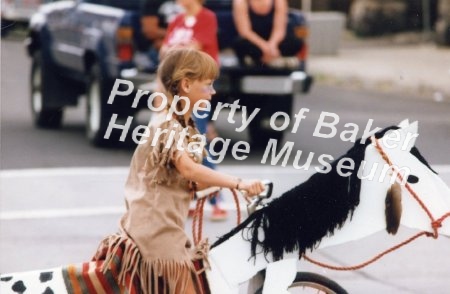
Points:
x=80, y=47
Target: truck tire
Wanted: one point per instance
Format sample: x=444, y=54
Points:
x=42, y=78
x=98, y=112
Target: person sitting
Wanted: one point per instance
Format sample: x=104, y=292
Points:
x=263, y=35
x=196, y=27
x=155, y=17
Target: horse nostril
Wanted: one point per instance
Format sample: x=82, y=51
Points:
x=412, y=179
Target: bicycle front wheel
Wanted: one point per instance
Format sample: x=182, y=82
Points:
x=313, y=283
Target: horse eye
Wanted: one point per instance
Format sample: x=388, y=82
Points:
x=412, y=179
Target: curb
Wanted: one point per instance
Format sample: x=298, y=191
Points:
x=422, y=91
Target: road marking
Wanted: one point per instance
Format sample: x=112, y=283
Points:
x=84, y=212
x=107, y=171
x=60, y=213
x=252, y=170
x=63, y=172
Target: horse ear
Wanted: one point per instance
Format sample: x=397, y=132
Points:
x=411, y=134
x=404, y=123
x=403, y=138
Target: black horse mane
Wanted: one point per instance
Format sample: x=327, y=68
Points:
x=302, y=216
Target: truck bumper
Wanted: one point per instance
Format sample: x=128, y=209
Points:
x=141, y=80
x=296, y=82
x=293, y=83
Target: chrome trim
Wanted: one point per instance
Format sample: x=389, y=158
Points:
x=278, y=85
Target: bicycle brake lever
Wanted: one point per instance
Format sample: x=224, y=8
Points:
x=269, y=189
x=253, y=205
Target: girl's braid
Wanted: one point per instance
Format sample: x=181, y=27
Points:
x=180, y=118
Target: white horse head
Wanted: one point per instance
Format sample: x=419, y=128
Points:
x=387, y=183
x=421, y=195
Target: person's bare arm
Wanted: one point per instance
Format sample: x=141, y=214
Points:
x=243, y=25
x=279, y=22
x=208, y=177
x=151, y=29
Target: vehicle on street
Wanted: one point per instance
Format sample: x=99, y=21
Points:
x=18, y=12
x=79, y=48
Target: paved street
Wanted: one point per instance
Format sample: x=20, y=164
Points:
x=59, y=196
x=69, y=147
x=77, y=207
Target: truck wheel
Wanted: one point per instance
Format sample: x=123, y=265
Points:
x=40, y=77
x=98, y=114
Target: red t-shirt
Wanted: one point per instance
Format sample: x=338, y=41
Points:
x=201, y=28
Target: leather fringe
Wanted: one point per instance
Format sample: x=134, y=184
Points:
x=156, y=276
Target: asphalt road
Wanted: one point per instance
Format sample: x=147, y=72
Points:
x=56, y=216
x=24, y=146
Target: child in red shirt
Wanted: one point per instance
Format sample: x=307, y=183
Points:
x=196, y=28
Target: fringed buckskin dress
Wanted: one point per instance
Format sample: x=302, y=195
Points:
x=156, y=249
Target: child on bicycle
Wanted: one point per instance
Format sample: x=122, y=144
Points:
x=157, y=251
x=196, y=27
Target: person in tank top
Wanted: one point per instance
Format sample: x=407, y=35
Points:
x=263, y=35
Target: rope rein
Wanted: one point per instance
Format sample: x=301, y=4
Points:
x=435, y=223
x=197, y=219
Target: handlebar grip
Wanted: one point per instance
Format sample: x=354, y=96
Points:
x=206, y=192
x=269, y=189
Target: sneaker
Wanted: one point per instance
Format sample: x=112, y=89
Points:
x=292, y=62
x=277, y=63
x=218, y=214
x=248, y=61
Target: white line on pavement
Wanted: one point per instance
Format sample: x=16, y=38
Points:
x=60, y=213
x=82, y=212
x=115, y=210
x=86, y=171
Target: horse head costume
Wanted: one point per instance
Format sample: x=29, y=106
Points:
x=333, y=207
x=385, y=183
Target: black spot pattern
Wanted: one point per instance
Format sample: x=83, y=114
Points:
x=6, y=279
x=45, y=277
x=18, y=287
x=48, y=291
x=412, y=179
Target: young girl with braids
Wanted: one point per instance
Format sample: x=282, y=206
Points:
x=157, y=253
x=196, y=27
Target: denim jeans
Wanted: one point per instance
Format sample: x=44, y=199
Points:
x=202, y=125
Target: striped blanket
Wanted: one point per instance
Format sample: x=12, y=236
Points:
x=84, y=278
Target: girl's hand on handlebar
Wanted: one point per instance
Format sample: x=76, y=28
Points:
x=251, y=187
